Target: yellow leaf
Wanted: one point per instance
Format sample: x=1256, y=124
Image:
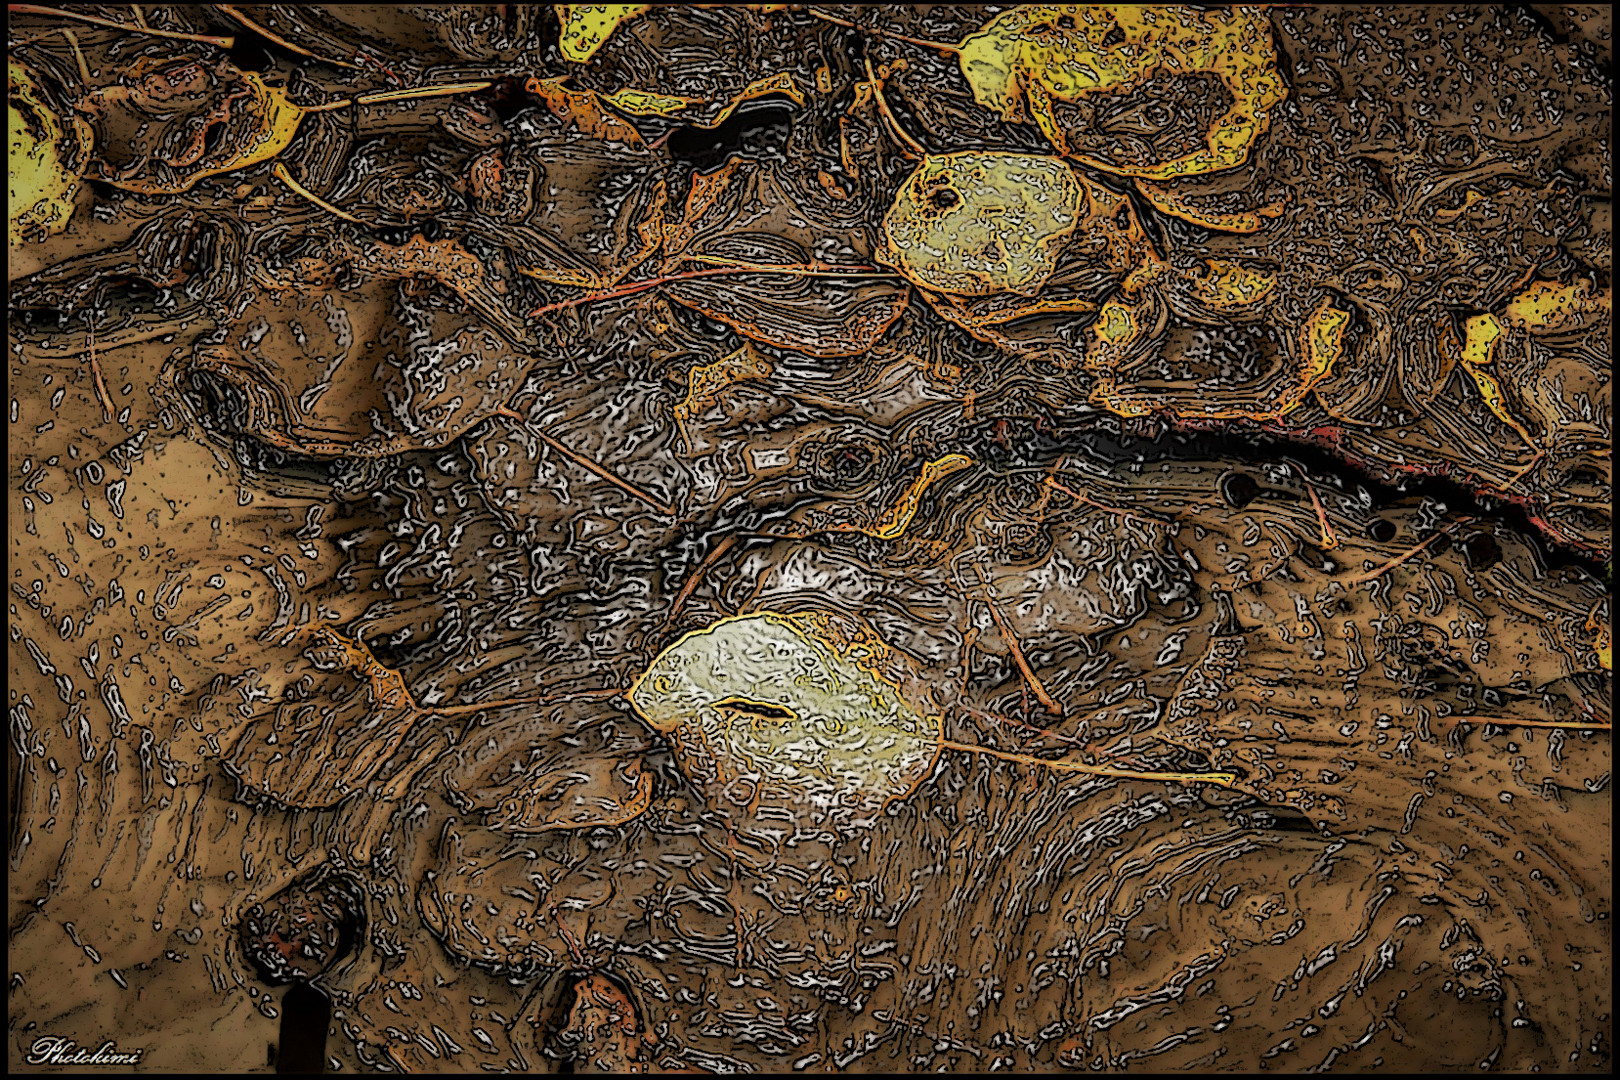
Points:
x=1547, y=307
x=1482, y=335
x=974, y=224
x=792, y=701
x=586, y=26
x=1031, y=58
x=644, y=103
x=780, y=83
x=1225, y=286
x=43, y=181
x=704, y=384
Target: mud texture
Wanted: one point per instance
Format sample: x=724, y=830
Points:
x=732, y=540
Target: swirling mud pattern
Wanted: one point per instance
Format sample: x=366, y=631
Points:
x=754, y=538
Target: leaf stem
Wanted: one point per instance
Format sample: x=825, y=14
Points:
x=286, y=177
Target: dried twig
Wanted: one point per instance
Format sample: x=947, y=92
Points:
x=96, y=20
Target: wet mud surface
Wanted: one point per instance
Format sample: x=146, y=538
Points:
x=811, y=538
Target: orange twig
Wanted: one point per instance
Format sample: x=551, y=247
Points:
x=634, y=287
x=1568, y=724
x=101, y=384
x=1011, y=639
x=1330, y=539
x=836, y=21
x=590, y=466
x=703, y=567
x=1399, y=559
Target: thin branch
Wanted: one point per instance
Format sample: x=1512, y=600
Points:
x=634, y=287
x=1221, y=778
x=1011, y=639
x=96, y=20
x=379, y=96
x=271, y=35
x=589, y=465
x=1398, y=560
x=883, y=109
x=923, y=42
x=1052, y=483
x=691, y=583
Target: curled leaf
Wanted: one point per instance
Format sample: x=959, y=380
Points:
x=705, y=384
x=1129, y=329
x=584, y=110
x=1029, y=61
x=796, y=702
x=892, y=522
x=646, y=103
x=255, y=122
x=976, y=224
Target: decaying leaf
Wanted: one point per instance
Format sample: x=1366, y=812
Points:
x=1029, y=60
x=705, y=383
x=1477, y=355
x=795, y=701
x=586, y=26
x=44, y=179
x=892, y=523
x=976, y=224
x=255, y=122
x=1126, y=329
x=584, y=110
x=1171, y=199
x=1548, y=308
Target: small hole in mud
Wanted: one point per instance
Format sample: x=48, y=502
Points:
x=1382, y=530
x=944, y=200
x=1482, y=551
x=1239, y=489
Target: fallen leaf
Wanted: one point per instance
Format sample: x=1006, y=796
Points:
x=1027, y=60
x=975, y=224
x=796, y=701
